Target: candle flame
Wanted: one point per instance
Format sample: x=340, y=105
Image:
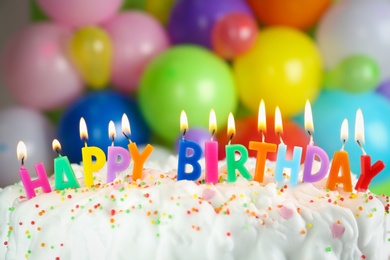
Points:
x=21, y=151
x=309, y=127
x=359, y=127
x=183, y=122
x=125, y=124
x=83, y=129
x=212, y=121
x=56, y=145
x=111, y=129
x=231, y=130
x=278, y=122
x=261, y=120
x=344, y=131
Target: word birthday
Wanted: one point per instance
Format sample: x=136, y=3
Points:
x=190, y=153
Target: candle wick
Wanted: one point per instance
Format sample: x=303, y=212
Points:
x=127, y=137
x=311, y=137
x=342, y=146
x=262, y=136
x=58, y=151
x=112, y=140
x=361, y=147
x=23, y=161
x=280, y=138
x=85, y=142
x=212, y=135
x=184, y=133
x=230, y=139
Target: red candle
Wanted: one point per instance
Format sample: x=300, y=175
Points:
x=368, y=172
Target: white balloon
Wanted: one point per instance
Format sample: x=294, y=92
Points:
x=30, y=126
x=356, y=27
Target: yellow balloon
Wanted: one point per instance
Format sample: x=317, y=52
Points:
x=284, y=68
x=91, y=51
x=160, y=9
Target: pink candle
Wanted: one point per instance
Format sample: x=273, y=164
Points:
x=118, y=158
x=313, y=152
x=211, y=152
x=40, y=181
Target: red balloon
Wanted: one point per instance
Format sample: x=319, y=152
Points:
x=233, y=34
x=246, y=131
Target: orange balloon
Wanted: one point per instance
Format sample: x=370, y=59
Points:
x=301, y=14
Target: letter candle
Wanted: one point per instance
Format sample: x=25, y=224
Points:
x=211, y=152
x=63, y=169
x=281, y=161
x=340, y=162
x=313, y=152
x=262, y=147
x=118, y=158
x=30, y=185
x=368, y=171
x=88, y=153
x=183, y=159
x=138, y=158
x=231, y=150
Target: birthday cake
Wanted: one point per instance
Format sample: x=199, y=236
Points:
x=158, y=217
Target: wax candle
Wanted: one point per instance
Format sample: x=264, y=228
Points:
x=281, y=161
x=63, y=170
x=368, y=171
x=211, y=152
x=138, y=158
x=262, y=147
x=29, y=184
x=340, y=164
x=313, y=152
x=192, y=160
x=88, y=153
x=118, y=158
x=234, y=165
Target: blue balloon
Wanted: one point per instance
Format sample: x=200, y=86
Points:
x=330, y=109
x=98, y=108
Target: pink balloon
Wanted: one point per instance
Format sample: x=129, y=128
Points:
x=234, y=34
x=36, y=69
x=137, y=38
x=80, y=12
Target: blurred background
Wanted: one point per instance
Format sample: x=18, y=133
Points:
x=151, y=59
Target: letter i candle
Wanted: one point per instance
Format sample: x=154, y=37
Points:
x=368, y=172
x=211, y=152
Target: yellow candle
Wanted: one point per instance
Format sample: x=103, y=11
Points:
x=89, y=166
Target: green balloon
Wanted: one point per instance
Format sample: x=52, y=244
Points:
x=188, y=78
x=356, y=73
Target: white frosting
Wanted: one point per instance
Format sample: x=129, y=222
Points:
x=161, y=218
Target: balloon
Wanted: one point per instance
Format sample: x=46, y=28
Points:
x=384, y=89
x=192, y=21
x=283, y=68
x=98, y=108
x=37, y=70
x=356, y=73
x=234, y=34
x=301, y=14
x=80, y=13
x=30, y=126
x=91, y=51
x=197, y=135
x=246, y=131
x=137, y=39
x=356, y=27
x=186, y=78
x=329, y=111
x=161, y=9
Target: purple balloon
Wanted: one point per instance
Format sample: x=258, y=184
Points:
x=192, y=21
x=384, y=89
x=197, y=135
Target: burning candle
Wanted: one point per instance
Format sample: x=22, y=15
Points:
x=193, y=159
x=138, y=158
x=62, y=168
x=262, y=147
x=118, y=158
x=368, y=171
x=211, y=152
x=87, y=153
x=340, y=164
x=40, y=181
x=231, y=150
x=313, y=151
